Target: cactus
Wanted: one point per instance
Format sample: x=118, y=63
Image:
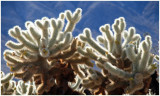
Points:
x=41, y=45
x=7, y=84
x=47, y=55
x=124, y=57
x=23, y=88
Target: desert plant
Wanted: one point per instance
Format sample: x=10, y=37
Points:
x=48, y=55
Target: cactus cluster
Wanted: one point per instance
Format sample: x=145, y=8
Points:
x=11, y=87
x=124, y=59
x=48, y=55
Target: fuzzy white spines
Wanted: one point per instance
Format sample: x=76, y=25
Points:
x=118, y=27
x=135, y=84
x=108, y=57
x=145, y=47
x=93, y=80
x=130, y=36
x=116, y=71
x=130, y=52
x=72, y=19
x=87, y=37
x=6, y=78
x=108, y=35
x=7, y=84
x=76, y=85
x=25, y=88
x=57, y=26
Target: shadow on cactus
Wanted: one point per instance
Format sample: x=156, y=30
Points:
x=48, y=55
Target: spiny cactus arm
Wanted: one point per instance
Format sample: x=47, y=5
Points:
x=62, y=16
x=19, y=36
x=57, y=26
x=27, y=73
x=43, y=26
x=24, y=88
x=30, y=90
x=67, y=53
x=72, y=19
x=7, y=78
x=76, y=85
x=103, y=41
x=135, y=84
x=136, y=63
x=116, y=71
x=90, y=55
x=110, y=58
x=150, y=69
x=95, y=76
x=108, y=36
x=78, y=70
x=130, y=36
x=29, y=56
x=33, y=32
x=87, y=37
x=14, y=46
x=60, y=37
x=82, y=60
x=8, y=88
x=118, y=27
x=145, y=47
x=61, y=45
x=9, y=58
x=130, y=52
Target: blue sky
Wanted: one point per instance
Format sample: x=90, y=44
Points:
x=143, y=15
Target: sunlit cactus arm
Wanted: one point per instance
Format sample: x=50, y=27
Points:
x=24, y=88
x=135, y=84
x=57, y=26
x=67, y=53
x=118, y=27
x=78, y=70
x=7, y=78
x=90, y=55
x=150, y=70
x=101, y=39
x=93, y=80
x=116, y=71
x=15, y=46
x=72, y=19
x=32, y=32
x=61, y=45
x=75, y=85
x=7, y=84
x=130, y=36
x=87, y=37
x=145, y=47
x=21, y=38
x=82, y=60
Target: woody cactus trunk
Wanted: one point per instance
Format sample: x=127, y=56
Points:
x=55, y=62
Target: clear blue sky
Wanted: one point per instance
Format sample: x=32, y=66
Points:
x=143, y=15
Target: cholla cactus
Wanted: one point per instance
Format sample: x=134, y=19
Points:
x=23, y=88
x=7, y=84
x=46, y=53
x=40, y=47
x=124, y=59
